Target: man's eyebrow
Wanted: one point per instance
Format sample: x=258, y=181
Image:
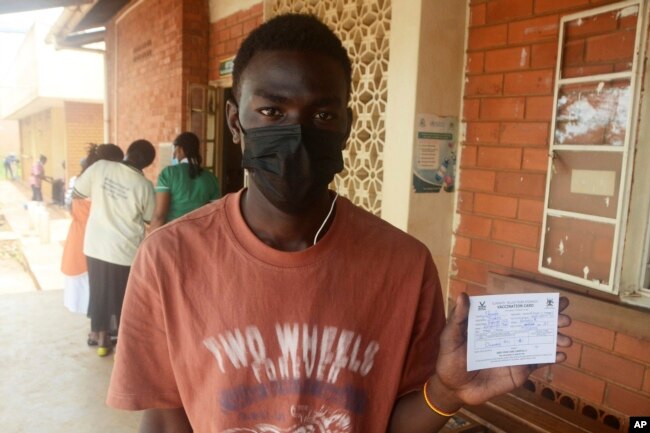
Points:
x=270, y=96
x=278, y=98
x=326, y=100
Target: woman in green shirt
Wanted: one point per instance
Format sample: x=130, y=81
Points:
x=184, y=186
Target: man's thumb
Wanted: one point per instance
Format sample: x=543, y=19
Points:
x=460, y=312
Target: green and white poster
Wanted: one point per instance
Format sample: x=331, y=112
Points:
x=434, y=156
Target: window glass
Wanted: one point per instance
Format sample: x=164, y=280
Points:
x=579, y=248
x=599, y=44
x=586, y=182
x=593, y=113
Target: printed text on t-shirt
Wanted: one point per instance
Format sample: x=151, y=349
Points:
x=114, y=189
x=302, y=352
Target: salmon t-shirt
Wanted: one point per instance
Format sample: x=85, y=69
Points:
x=251, y=339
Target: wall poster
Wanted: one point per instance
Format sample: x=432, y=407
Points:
x=434, y=158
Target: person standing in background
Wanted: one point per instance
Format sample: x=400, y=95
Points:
x=37, y=175
x=73, y=262
x=122, y=203
x=183, y=186
x=8, y=164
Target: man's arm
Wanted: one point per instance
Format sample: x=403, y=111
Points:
x=453, y=386
x=162, y=207
x=165, y=421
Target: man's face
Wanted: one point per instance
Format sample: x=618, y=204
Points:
x=280, y=88
x=291, y=87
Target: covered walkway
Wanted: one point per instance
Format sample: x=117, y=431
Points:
x=50, y=381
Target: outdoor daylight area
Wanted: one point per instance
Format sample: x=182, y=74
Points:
x=324, y=216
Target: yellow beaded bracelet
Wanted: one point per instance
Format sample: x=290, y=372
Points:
x=432, y=407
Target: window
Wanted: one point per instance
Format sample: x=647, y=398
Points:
x=201, y=103
x=592, y=151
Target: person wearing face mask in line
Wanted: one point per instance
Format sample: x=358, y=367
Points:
x=293, y=309
x=183, y=186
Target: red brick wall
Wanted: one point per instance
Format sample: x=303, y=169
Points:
x=511, y=56
x=154, y=50
x=196, y=32
x=83, y=125
x=602, y=366
x=227, y=34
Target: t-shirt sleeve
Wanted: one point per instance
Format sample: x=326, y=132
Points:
x=162, y=184
x=143, y=376
x=83, y=183
x=149, y=204
x=425, y=338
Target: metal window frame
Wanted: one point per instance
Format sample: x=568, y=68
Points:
x=207, y=91
x=626, y=164
x=645, y=261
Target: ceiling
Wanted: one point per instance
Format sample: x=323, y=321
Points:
x=11, y=6
x=101, y=12
x=87, y=21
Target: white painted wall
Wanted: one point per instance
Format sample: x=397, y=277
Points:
x=439, y=91
x=425, y=76
x=400, y=110
x=222, y=8
x=9, y=138
x=41, y=73
x=69, y=74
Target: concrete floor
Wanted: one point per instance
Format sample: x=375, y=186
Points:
x=50, y=381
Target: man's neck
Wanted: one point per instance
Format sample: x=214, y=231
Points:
x=281, y=230
x=131, y=164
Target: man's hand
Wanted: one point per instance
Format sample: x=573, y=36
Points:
x=476, y=387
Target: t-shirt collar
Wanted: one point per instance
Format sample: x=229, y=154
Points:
x=285, y=259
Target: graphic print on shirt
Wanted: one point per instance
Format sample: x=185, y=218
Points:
x=114, y=189
x=299, y=360
x=309, y=421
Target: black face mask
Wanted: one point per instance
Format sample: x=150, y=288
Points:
x=291, y=164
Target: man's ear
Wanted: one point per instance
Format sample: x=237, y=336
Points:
x=232, y=119
x=348, y=128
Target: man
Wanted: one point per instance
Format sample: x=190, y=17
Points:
x=122, y=203
x=37, y=175
x=8, y=164
x=281, y=307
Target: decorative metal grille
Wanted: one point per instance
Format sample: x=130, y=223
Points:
x=364, y=28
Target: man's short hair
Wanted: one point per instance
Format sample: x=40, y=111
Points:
x=141, y=152
x=291, y=32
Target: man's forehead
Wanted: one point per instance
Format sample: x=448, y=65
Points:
x=280, y=73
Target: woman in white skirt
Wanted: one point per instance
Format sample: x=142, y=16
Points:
x=73, y=263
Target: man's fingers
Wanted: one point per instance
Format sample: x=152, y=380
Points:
x=560, y=357
x=564, y=302
x=563, y=340
x=563, y=321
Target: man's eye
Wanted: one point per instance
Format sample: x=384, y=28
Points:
x=270, y=112
x=324, y=116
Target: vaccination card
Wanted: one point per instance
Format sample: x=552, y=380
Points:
x=505, y=330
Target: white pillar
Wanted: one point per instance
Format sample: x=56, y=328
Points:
x=400, y=110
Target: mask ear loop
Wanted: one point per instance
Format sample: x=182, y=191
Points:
x=336, y=195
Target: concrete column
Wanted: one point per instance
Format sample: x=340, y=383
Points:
x=400, y=110
x=426, y=70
